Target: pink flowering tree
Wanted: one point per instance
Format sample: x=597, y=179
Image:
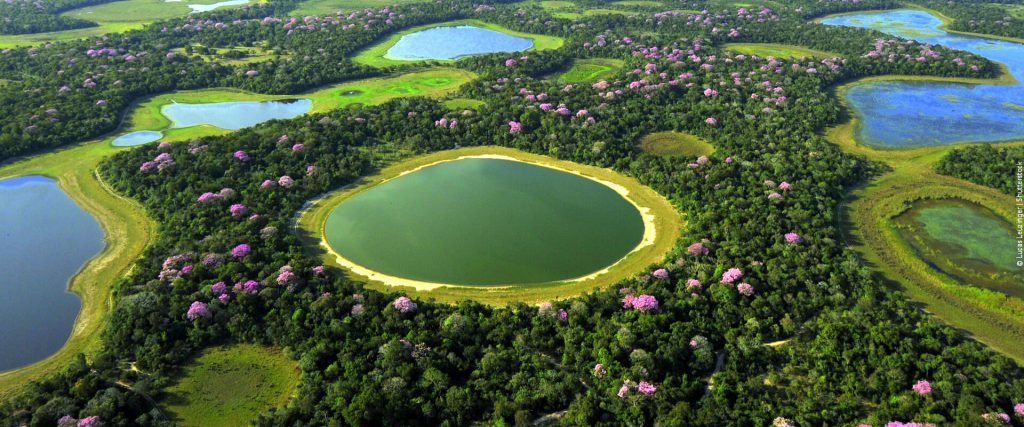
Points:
x=731, y=275
x=198, y=310
x=404, y=305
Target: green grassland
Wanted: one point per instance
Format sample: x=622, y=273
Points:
x=229, y=386
x=225, y=55
x=126, y=227
x=115, y=17
x=637, y=3
x=870, y=213
x=780, y=51
x=1016, y=10
x=675, y=144
x=589, y=70
x=463, y=103
x=667, y=224
x=375, y=55
x=328, y=7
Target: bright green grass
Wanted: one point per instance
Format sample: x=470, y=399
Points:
x=637, y=3
x=675, y=144
x=56, y=36
x=435, y=82
x=374, y=55
x=463, y=103
x=328, y=7
x=588, y=70
x=777, y=50
x=229, y=386
x=557, y=5
x=137, y=11
x=1016, y=10
x=252, y=55
x=116, y=17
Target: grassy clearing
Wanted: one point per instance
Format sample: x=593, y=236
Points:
x=675, y=144
x=637, y=3
x=328, y=7
x=235, y=55
x=667, y=223
x=116, y=17
x=7, y=41
x=127, y=229
x=869, y=217
x=229, y=386
x=463, y=103
x=375, y=54
x=589, y=70
x=435, y=82
x=780, y=51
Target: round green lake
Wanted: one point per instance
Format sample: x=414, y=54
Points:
x=485, y=221
x=966, y=242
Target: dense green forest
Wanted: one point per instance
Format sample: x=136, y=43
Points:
x=986, y=165
x=856, y=350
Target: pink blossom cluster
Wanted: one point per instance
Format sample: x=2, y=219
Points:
x=175, y=266
x=241, y=250
x=697, y=248
x=160, y=162
x=198, y=310
x=404, y=305
x=793, y=238
x=642, y=303
x=922, y=387
x=745, y=289
x=731, y=275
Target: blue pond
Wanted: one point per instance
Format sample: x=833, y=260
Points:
x=137, y=138
x=234, y=115
x=913, y=113
x=455, y=43
x=46, y=240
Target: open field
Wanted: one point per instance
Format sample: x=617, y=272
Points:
x=115, y=17
x=588, y=70
x=637, y=3
x=988, y=316
x=229, y=386
x=374, y=55
x=250, y=55
x=435, y=82
x=127, y=229
x=666, y=226
x=328, y=7
x=463, y=103
x=780, y=51
x=675, y=144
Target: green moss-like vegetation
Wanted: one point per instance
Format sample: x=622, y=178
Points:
x=588, y=70
x=375, y=55
x=675, y=144
x=780, y=51
x=231, y=386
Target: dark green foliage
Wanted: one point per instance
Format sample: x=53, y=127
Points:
x=985, y=165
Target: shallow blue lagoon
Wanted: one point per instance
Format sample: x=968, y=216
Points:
x=45, y=239
x=137, y=138
x=913, y=113
x=455, y=42
x=234, y=115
